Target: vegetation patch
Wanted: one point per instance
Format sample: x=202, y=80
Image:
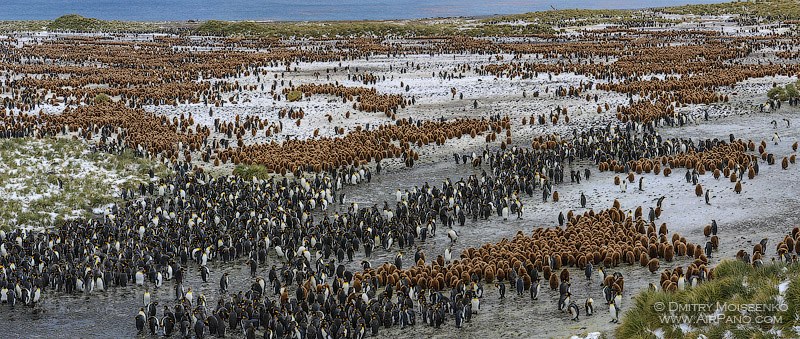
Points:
x=293, y=96
x=783, y=93
x=78, y=23
x=248, y=172
x=45, y=181
x=742, y=301
x=766, y=9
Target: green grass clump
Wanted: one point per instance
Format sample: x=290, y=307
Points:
x=293, y=96
x=249, y=172
x=78, y=23
x=30, y=170
x=101, y=98
x=735, y=283
x=767, y=9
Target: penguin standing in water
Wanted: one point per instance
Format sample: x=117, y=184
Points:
x=614, y=311
x=574, y=311
x=501, y=287
x=583, y=200
x=589, y=306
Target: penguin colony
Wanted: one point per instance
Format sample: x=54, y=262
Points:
x=180, y=225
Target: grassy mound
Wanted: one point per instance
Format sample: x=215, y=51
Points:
x=248, y=172
x=30, y=171
x=293, y=96
x=362, y=28
x=767, y=9
x=78, y=23
x=741, y=302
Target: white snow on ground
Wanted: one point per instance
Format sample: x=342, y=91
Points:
x=30, y=182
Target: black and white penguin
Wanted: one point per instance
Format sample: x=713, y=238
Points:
x=707, y=197
x=583, y=200
x=199, y=328
x=475, y=305
x=501, y=288
x=179, y=292
x=146, y=298
x=140, y=320
x=713, y=227
x=574, y=311
x=641, y=183
x=204, y=272
x=153, y=324
x=589, y=306
x=453, y=235
x=223, y=283
x=398, y=260
x=520, y=285
x=535, y=288
x=608, y=294
x=588, y=271
x=708, y=249
x=614, y=311
x=563, y=301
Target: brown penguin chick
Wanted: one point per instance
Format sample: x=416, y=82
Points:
x=564, y=275
x=707, y=231
x=738, y=187
x=698, y=190
x=669, y=253
x=653, y=265
x=553, y=282
x=785, y=163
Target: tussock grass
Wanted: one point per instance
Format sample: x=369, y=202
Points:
x=293, y=96
x=248, y=172
x=30, y=171
x=766, y=9
x=736, y=283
